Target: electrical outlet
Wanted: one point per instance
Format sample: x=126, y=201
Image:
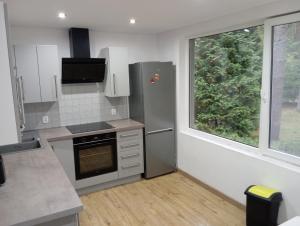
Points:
x=45, y=119
x=113, y=111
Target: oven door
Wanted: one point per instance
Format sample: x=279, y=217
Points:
x=93, y=159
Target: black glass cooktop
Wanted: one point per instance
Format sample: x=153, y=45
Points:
x=83, y=128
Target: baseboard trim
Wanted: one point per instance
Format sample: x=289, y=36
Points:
x=213, y=190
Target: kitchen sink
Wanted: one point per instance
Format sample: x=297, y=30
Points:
x=29, y=141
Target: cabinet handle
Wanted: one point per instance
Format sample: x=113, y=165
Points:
x=129, y=135
x=21, y=102
x=55, y=82
x=131, y=166
x=114, y=81
x=22, y=87
x=130, y=156
x=129, y=146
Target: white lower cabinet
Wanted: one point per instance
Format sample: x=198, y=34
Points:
x=65, y=154
x=130, y=153
x=72, y=220
x=130, y=159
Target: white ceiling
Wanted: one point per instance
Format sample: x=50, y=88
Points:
x=152, y=16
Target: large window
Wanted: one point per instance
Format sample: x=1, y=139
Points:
x=245, y=86
x=225, y=77
x=285, y=89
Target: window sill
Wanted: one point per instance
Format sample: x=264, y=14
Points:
x=240, y=148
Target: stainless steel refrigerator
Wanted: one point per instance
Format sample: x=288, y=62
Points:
x=152, y=102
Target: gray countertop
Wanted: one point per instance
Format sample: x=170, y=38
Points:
x=37, y=189
x=62, y=133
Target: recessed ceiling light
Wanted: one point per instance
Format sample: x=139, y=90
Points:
x=247, y=30
x=132, y=21
x=62, y=15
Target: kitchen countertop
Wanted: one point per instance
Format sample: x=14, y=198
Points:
x=37, y=190
x=62, y=133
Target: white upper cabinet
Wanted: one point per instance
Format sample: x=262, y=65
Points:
x=117, y=71
x=37, y=68
x=48, y=71
x=28, y=72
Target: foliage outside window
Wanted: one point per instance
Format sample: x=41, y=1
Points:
x=226, y=71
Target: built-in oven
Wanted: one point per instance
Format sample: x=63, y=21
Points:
x=95, y=155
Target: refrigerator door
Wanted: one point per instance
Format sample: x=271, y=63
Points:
x=159, y=96
x=160, y=153
x=159, y=110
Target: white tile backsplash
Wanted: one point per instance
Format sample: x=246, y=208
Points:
x=78, y=104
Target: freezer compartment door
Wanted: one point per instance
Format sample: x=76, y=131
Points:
x=160, y=154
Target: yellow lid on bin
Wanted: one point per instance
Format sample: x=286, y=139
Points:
x=262, y=191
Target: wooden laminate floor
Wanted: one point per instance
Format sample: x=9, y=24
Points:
x=171, y=200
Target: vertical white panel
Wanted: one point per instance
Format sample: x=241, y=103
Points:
x=8, y=128
x=48, y=71
x=27, y=70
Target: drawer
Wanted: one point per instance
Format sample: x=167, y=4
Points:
x=130, y=168
x=130, y=135
x=130, y=156
x=130, y=145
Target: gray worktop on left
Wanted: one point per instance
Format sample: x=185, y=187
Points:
x=36, y=190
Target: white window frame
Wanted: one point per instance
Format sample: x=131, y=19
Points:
x=264, y=135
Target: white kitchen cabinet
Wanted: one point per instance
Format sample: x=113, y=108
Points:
x=117, y=71
x=9, y=117
x=65, y=154
x=37, y=68
x=48, y=70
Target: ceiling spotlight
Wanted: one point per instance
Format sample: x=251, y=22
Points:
x=132, y=21
x=61, y=15
x=247, y=30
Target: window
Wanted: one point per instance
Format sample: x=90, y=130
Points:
x=225, y=81
x=285, y=88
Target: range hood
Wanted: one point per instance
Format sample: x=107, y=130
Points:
x=79, y=42
x=81, y=68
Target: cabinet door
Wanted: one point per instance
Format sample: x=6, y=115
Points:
x=27, y=71
x=48, y=71
x=119, y=70
x=65, y=154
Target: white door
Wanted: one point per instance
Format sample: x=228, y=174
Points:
x=119, y=70
x=27, y=71
x=48, y=71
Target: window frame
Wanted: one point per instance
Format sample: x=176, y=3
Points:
x=264, y=133
x=265, y=117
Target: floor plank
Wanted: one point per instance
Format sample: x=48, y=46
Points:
x=164, y=201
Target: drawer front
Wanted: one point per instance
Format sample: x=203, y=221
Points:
x=130, y=145
x=130, y=135
x=130, y=168
x=130, y=156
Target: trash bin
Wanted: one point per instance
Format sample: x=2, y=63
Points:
x=262, y=206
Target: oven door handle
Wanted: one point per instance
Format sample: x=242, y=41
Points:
x=95, y=142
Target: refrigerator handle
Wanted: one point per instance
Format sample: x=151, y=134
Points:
x=160, y=131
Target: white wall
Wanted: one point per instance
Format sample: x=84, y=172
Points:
x=224, y=167
x=8, y=127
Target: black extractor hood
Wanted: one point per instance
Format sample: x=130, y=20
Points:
x=81, y=68
x=79, y=42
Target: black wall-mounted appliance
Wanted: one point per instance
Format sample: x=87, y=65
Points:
x=80, y=68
